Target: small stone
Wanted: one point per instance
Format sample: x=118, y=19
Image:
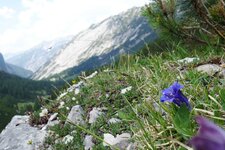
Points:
x=67, y=139
x=73, y=98
x=188, y=60
x=92, y=75
x=61, y=104
x=120, y=141
x=114, y=120
x=77, y=91
x=95, y=113
x=57, y=141
x=88, y=142
x=76, y=115
x=125, y=90
x=210, y=69
x=107, y=95
x=44, y=112
x=132, y=146
x=53, y=117
x=79, y=84
x=50, y=124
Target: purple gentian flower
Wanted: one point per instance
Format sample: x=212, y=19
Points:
x=210, y=136
x=174, y=94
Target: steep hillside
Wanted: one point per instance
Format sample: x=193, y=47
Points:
x=101, y=43
x=13, y=69
x=37, y=56
x=21, y=72
x=3, y=66
x=15, y=91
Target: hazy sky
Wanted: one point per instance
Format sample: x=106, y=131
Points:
x=25, y=23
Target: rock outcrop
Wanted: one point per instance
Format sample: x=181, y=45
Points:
x=19, y=135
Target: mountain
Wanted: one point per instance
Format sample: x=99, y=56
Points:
x=21, y=72
x=100, y=43
x=37, y=56
x=13, y=69
x=3, y=66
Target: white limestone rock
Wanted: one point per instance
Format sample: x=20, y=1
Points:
x=88, y=142
x=61, y=104
x=114, y=120
x=210, y=69
x=76, y=115
x=50, y=124
x=121, y=141
x=92, y=75
x=94, y=114
x=77, y=91
x=53, y=117
x=188, y=60
x=125, y=90
x=19, y=135
x=44, y=112
x=67, y=139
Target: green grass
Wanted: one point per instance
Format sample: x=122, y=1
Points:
x=169, y=127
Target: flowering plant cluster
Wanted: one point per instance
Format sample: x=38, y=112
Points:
x=210, y=136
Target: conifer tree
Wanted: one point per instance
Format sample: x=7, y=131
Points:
x=202, y=21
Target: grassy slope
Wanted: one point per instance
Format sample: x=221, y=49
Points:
x=148, y=75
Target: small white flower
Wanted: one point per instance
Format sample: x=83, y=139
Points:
x=61, y=104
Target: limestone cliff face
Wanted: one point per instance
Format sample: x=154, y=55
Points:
x=100, y=44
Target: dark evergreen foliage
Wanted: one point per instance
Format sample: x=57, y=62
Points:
x=200, y=21
x=14, y=90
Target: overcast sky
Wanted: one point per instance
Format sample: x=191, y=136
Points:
x=25, y=23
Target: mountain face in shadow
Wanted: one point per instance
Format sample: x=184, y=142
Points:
x=13, y=69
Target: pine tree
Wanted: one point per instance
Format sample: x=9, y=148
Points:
x=202, y=21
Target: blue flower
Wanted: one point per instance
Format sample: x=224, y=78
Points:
x=174, y=94
x=210, y=136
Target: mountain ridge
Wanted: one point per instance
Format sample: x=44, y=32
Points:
x=13, y=69
x=105, y=40
x=38, y=55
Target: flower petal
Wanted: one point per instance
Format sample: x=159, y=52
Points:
x=209, y=129
x=202, y=143
x=210, y=136
x=176, y=86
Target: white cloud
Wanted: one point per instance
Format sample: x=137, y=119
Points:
x=6, y=12
x=42, y=20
